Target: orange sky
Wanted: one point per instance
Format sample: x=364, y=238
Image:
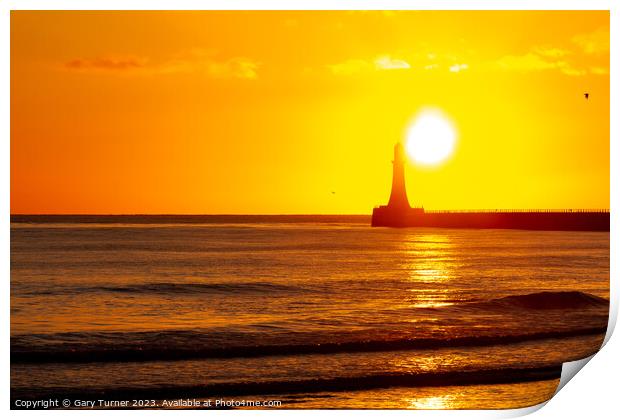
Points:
x=271, y=112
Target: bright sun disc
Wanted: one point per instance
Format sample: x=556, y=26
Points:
x=431, y=138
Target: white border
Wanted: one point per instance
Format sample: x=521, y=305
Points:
x=591, y=394
x=309, y=5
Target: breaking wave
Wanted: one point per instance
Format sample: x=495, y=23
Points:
x=173, y=288
x=138, y=346
x=285, y=387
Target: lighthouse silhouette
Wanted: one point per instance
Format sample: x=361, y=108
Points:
x=398, y=196
x=397, y=212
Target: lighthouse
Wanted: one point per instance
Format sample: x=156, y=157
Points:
x=398, y=212
x=398, y=196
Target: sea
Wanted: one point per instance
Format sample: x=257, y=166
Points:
x=295, y=312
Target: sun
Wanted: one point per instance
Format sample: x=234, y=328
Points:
x=430, y=138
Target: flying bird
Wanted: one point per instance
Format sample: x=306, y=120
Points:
x=587, y=95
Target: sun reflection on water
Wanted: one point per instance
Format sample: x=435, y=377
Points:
x=440, y=402
x=429, y=261
x=429, y=304
x=424, y=363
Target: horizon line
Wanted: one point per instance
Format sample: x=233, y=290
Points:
x=482, y=210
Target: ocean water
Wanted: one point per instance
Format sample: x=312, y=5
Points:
x=314, y=313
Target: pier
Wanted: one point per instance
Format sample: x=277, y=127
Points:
x=398, y=212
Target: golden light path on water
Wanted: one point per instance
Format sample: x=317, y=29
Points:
x=441, y=402
x=430, y=261
x=428, y=265
x=442, y=398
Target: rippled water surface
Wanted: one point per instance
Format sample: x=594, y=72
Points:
x=212, y=308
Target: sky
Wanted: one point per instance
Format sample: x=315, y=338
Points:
x=267, y=112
